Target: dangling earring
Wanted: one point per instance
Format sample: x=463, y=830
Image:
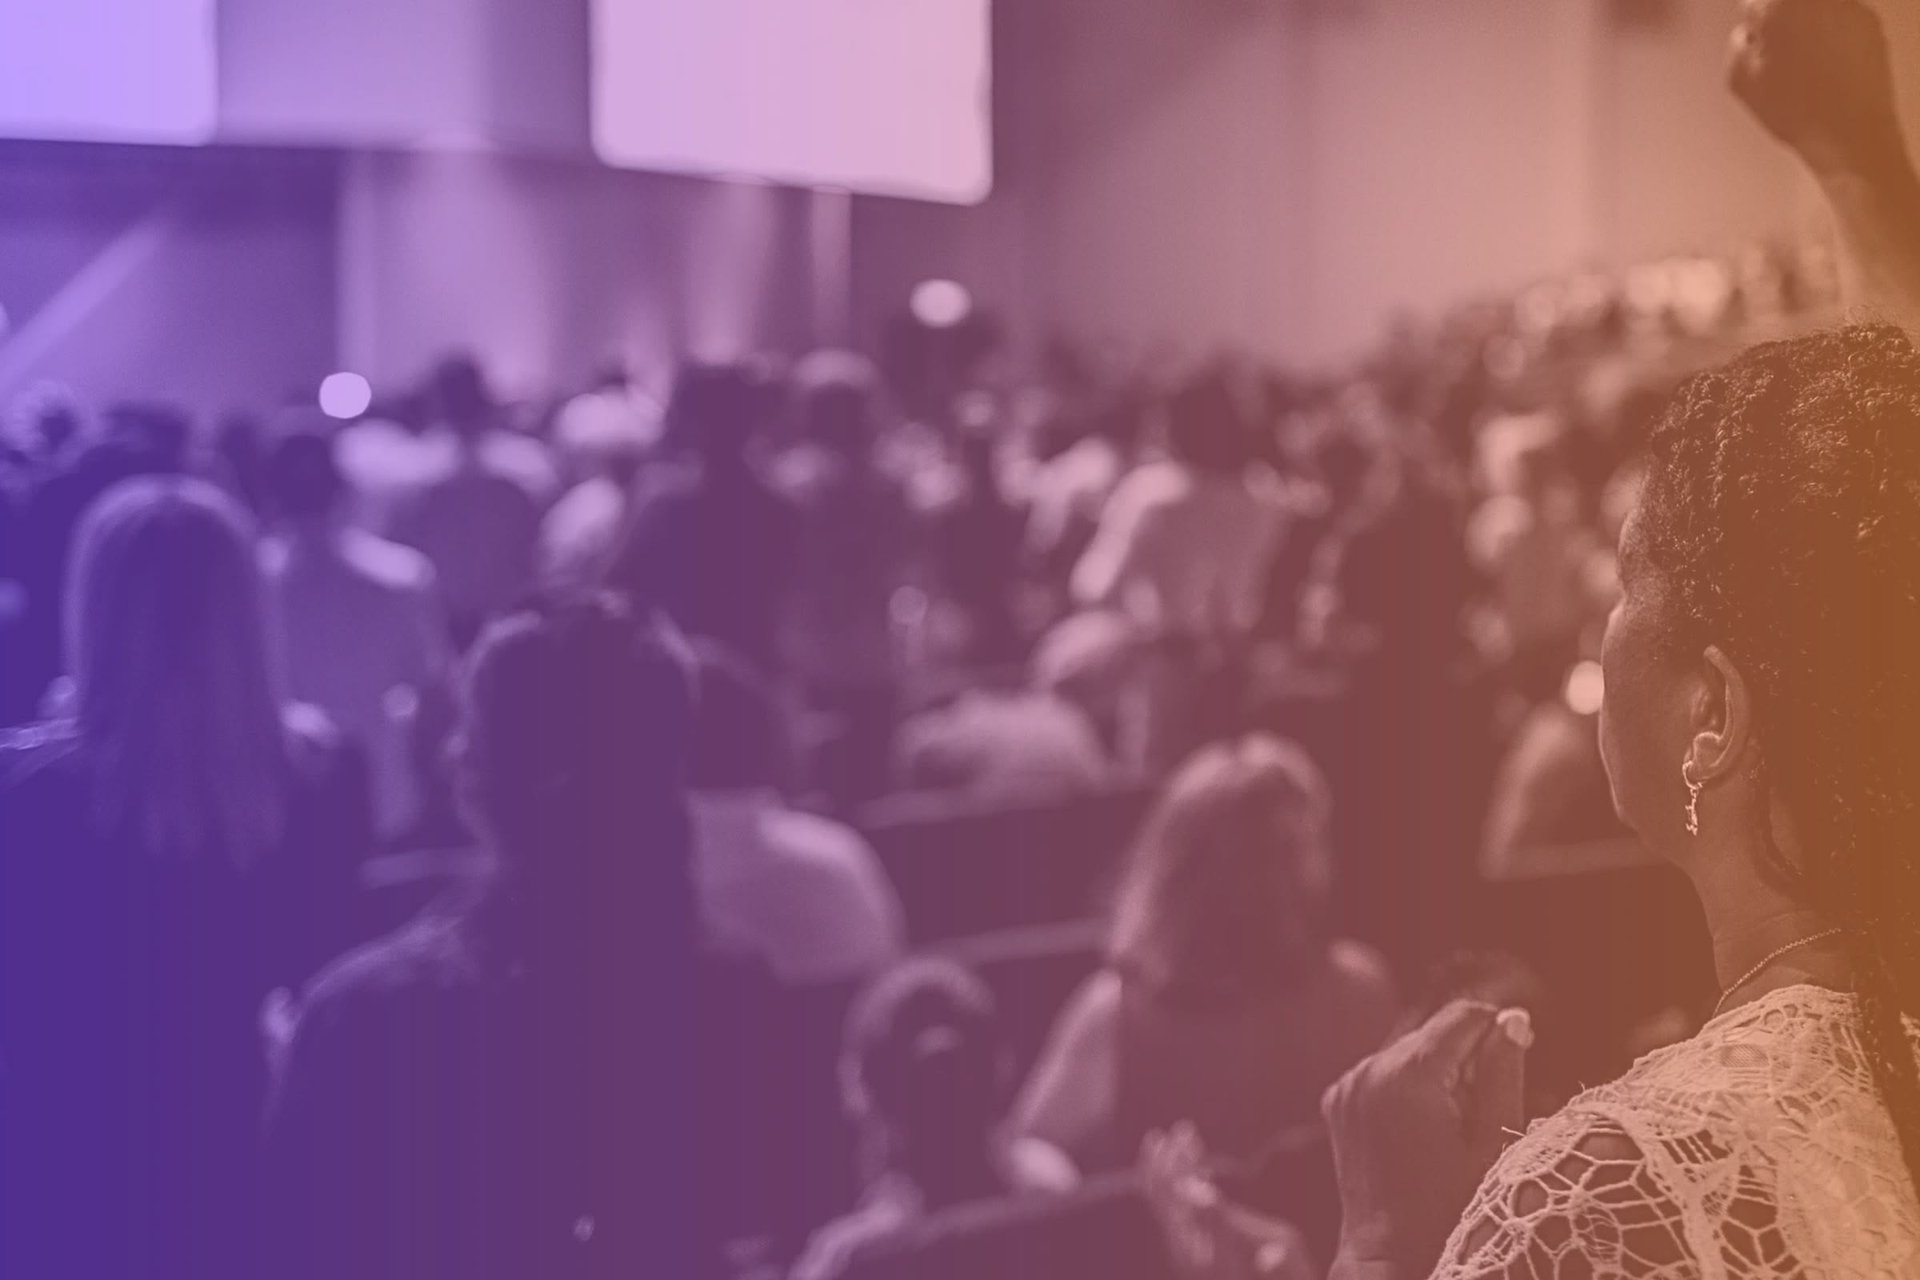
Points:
x=1694, y=788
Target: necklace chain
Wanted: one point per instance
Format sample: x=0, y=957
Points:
x=1768, y=959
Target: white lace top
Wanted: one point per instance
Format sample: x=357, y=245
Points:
x=1758, y=1150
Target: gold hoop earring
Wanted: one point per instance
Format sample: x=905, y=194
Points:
x=1694, y=788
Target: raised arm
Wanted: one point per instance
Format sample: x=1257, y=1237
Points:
x=1818, y=75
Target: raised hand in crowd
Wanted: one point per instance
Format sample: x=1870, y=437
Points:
x=1819, y=75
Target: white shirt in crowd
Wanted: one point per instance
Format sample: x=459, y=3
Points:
x=384, y=461
x=1068, y=490
x=1183, y=552
x=1009, y=747
x=357, y=620
x=608, y=419
x=802, y=893
x=580, y=531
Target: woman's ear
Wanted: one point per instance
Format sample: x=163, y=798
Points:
x=1722, y=718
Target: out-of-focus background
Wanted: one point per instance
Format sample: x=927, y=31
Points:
x=1141, y=478
x=1284, y=179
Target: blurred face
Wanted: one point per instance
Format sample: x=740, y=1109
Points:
x=1644, y=732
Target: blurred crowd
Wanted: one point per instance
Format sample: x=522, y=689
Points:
x=627, y=741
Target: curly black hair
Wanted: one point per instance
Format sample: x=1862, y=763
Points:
x=1783, y=508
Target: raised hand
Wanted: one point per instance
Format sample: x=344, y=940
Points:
x=1819, y=76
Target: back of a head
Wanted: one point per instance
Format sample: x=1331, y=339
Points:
x=158, y=433
x=1206, y=428
x=167, y=647
x=740, y=737
x=925, y=1061
x=837, y=400
x=572, y=761
x=460, y=394
x=1782, y=510
x=300, y=478
x=978, y=449
x=1226, y=893
x=1345, y=460
x=577, y=719
x=1782, y=501
x=52, y=420
x=715, y=411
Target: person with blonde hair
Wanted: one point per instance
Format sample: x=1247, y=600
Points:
x=1226, y=998
x=173, y=850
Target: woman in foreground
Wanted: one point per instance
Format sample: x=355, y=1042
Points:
x=1762, y=730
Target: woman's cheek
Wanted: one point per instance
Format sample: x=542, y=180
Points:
x=1623, y=739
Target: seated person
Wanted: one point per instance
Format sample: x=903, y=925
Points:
x=801, y=893
x=1225, y=1000
x=1185, y=543
x=355, y=618
x=698, y=532
x=512, y=1085
x=1051, y=740
x=924, y=1079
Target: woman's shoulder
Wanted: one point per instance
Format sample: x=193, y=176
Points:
x=1773, y=1101
x=1575, y=1187
x=1770, y=1070
x=1792, y=1045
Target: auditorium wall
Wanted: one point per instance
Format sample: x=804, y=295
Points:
x=1288, y=176
x=1280, y=177
x=202, y=277
x=547, y=268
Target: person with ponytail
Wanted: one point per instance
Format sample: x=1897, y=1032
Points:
x=1227, y=998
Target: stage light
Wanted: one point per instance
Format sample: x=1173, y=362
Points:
x=345, y=395
x=941, y=304
x=1586, y=687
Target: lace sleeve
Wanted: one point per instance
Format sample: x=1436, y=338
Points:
x=1758, y=1150
x=1575, y=1199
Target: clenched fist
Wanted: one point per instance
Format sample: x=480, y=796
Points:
x=1817, y=74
